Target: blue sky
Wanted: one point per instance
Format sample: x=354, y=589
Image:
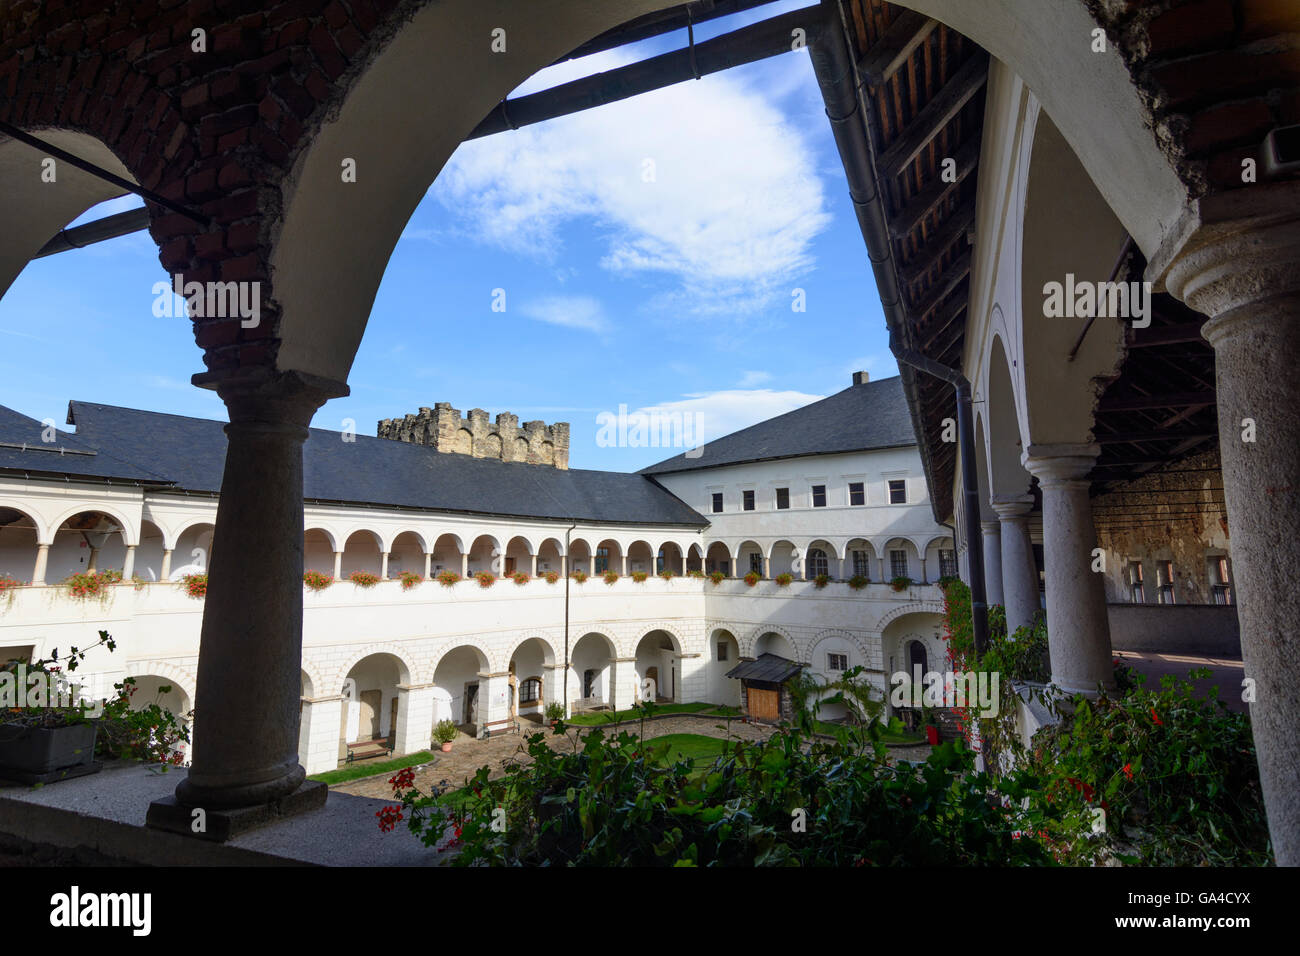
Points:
x=672, y=294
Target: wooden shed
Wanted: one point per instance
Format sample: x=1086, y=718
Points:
x=764, y=692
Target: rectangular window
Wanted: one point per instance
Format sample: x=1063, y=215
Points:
x=717, y=502
x=819, y=496
x=1165, y=581
x=756, y=562
x=722, y=650
x=860, y=565
x=857, y=493
x=837, y=662
x=1136, y=593
x=947, y=563
x=782, y=498
x=1222, y=588
x=748, y=500
x=898, y=564
x=898, y=491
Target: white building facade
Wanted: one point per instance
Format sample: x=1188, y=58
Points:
x=398, y=650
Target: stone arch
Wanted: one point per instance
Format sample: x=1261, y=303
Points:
x=1007, y=475
x=857, y=640
x=749, y=647
x=388, y=540
x=405, y=669
x=312, y=678
x=174, y=673
x=918, y=607
x=331, y=536
x=127, y=528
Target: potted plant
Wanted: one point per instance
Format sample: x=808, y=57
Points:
x=784, y=579
x=931, y=728
x=448, y=578
x=521, y=577
x=551, y=576
x=717, y=577
x=485, y=579
x=196, y=585
x=752, y=578
x=695, y=573
x=611, y=577
x=667, y=574
x=445, y=732
x=554, y=712
x=363, y=579
x=901, y=583
x=821, y=580
x=579, y=576
x=639, y=576
x=410, y=579
x=859, y=581
x=317, y=580
x=46, y=733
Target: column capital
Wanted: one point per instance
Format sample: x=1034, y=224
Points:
x=263, y=397
x=1057, y=464
x=1234, y=255
x=1010, y=507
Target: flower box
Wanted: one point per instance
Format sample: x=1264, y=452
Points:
x=45, y=754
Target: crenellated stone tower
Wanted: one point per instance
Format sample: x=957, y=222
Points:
x=445, y=429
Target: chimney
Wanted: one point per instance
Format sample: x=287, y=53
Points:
x=861, y=378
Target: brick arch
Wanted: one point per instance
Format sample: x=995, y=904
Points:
x=180, y=676
x=494, y=663
x=549, y=641
x=641, y=630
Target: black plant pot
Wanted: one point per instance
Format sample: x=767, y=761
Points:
x=45, y=754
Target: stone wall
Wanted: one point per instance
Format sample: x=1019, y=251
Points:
x=445, y=429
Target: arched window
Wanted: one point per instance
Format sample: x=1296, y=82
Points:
x=817, y=562
x=530, y=691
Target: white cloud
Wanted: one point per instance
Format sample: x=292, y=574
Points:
x=571, y=311
x=753, y=378
x=730, y=214
x=711, y=415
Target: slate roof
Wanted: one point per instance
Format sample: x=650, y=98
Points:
x=190, y=454
x=766, y=667
x=860, y=418
x=23, y=449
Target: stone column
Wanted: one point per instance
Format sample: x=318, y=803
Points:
x=925, y=577
x=166, y=572
x=767, y=567
x=42, y=561
x=1019, y=573
x=383, y=566
x=428, y=564
x=250, y=651
x=1238, y=262
x=683, y=572
x=991, y=536
x=93, y=563
x=464, y=565
x=318, y=733
x=493, y=702
x=338, y=565
x=552, y=689
x=414, y=730
x=882, y=567
x=624, y=689
x=128, y=564
x=533, y=561
x=1078, y=630
x=623, y=564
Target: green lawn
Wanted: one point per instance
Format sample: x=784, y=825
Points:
x=371, y=768
x=599, y=717
x=887, y=735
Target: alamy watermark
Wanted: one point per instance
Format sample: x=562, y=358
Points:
x=651, y=428
x=39, y=689
x=978, y=690
x=1088, y=300
x=210, y=300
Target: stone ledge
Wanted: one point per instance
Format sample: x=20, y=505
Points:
x=105, y=814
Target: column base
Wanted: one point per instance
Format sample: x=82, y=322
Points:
x=220, y=826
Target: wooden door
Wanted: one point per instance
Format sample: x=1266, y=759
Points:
x=372, y=703
x=471, y=704
x=764, y=704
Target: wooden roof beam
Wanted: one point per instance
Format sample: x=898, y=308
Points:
x=905, y=34
x=940, y=241
x=941, y=289
x=935, y=192
x=1139, y=403
x=935, y=115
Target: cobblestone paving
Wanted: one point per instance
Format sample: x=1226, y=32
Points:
x=468, y=754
